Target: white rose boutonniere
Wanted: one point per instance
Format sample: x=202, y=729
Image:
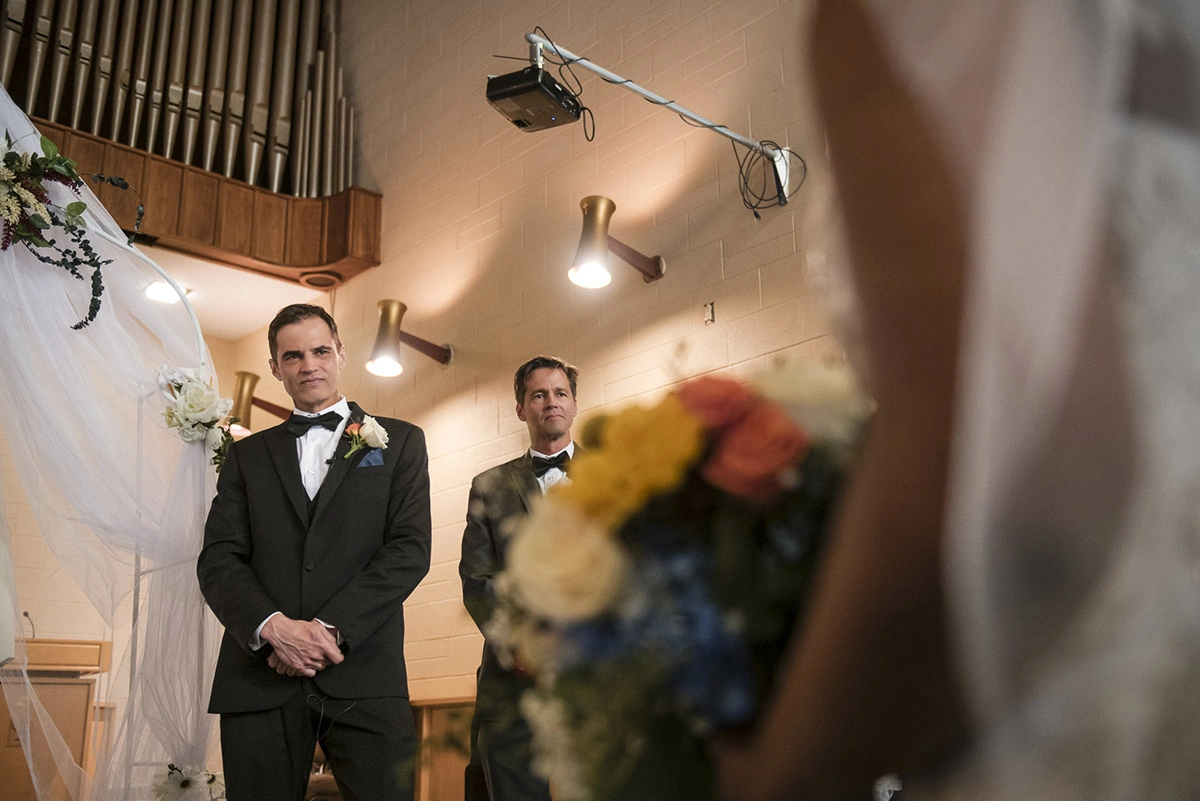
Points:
x=367, y=434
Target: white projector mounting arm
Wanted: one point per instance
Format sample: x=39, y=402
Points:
x=777, y=156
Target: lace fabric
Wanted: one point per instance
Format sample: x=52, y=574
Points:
x=1073, y=545
x=112, y=488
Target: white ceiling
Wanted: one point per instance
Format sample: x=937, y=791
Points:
x=229, y=303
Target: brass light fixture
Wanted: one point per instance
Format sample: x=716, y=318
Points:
x=385, y=356
x=243, y=401
x=590, y=268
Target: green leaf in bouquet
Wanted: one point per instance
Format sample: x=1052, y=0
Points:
x=673, y=766
x=49, y=148
x=609, y=706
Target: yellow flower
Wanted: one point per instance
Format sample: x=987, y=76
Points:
x=644, y=452
x=603, y=487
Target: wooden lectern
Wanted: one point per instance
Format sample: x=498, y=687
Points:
x=63, y=675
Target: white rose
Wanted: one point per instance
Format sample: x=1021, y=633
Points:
x=199, y=403
x=171, y=377
x=564, y=565
x=373, y=434
x=190, y=432
x=213, y=437
x=826, y=400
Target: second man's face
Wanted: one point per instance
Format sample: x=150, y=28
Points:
x=309, y=363
x=549, y=407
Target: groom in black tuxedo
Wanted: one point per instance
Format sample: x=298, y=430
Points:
x=500, y=497
x=309, y=553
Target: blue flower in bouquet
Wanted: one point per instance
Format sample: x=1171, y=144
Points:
x=712, y=677
x=672, y=617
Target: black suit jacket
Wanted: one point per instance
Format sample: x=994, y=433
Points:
x=500, y=497
x=351, y=564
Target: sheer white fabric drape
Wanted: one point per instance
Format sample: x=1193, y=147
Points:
x=107, y=480
x=1073, y=527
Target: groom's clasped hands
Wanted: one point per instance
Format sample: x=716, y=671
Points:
x=300, y=647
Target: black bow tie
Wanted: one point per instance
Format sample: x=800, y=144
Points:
x=541, y=464
x=299, y=425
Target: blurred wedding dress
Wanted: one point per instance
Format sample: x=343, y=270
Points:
x=1072, y=554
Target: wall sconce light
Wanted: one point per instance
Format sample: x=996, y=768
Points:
x=164, y=292
x=385, y=356
x=590, y=269
x=244, y=401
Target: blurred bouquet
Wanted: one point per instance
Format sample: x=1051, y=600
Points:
x=654, y=594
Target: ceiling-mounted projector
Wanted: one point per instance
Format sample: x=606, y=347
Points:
x=532, y=99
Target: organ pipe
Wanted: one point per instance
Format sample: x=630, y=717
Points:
x=251, y=88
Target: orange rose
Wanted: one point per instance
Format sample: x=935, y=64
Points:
x=717, y=402
x=352, y=429
x=751, y=457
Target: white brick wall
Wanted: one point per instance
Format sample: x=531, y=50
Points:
x=480, y=221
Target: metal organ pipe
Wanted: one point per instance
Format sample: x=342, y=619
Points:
x=250, y=88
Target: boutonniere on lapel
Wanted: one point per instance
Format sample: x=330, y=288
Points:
x=367, y=434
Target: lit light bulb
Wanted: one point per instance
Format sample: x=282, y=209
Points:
x=163, y=292
x=385, y=367
x=589, y=275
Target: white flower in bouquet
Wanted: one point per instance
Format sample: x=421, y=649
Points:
x=196, y=410
x=188, y=784
x=170, y=379
x=199, y=403
x=554, y=749
x=214, y=437
x=824, y=399
x=564, y=565
x=517, y=638
x=375, y=435
x=191, y=432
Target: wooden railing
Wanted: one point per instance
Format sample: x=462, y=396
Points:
x=317, y=242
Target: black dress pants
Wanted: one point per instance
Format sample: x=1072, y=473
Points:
x=370, y=744
x=505, y=753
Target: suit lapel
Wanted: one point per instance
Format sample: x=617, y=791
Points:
x=524, y=482
x=340, y=467
x=281, y=444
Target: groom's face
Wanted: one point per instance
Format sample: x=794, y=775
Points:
x=309, y=363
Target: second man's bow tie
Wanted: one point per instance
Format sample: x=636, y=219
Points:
x=541, y=464
x=299, y=425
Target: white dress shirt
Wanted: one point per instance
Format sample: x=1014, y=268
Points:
x=317, y=446
x=555, y=475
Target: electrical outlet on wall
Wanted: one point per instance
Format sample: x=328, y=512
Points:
x=710, y=312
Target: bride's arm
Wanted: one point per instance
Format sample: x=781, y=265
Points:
x=867, y=687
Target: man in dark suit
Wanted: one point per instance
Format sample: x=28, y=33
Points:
x=500, y=497
x=319, y=531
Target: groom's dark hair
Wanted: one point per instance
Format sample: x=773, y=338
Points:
x=537, y=363
x=296, y=313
